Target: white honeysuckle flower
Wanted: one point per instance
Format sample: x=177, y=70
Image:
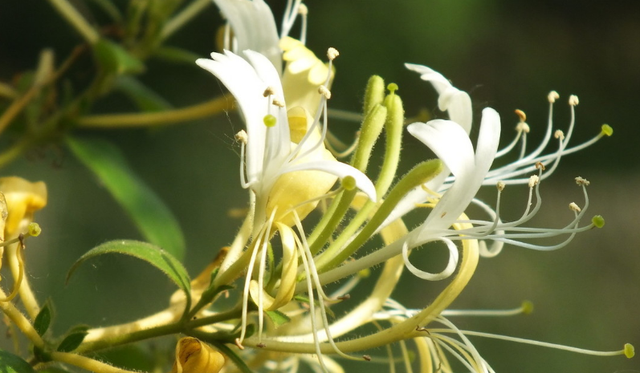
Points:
x=254, y=28
x=270, y=153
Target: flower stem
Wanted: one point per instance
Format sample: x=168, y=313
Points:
x=86, y=363
x=175, y=23
x=215, y=106
x=76, y=20
x=20, y=321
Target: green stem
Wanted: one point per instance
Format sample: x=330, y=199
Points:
x=86, y=363
x=212, y=107
x=175, y=23
x=76, y=20
x=121, y=339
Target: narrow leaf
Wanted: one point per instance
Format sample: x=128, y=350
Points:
x=153, y=255
x=43, y=319
x=152, y=217
x=10, y=363
x=278, y=317
x=73, y=339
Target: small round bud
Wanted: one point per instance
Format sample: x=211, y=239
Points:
x=34, y=229
x=324, y=91
x=574, y=207
x=533, y=181
x=597, y=221
x=553, y=96
x=573, y=100
x=606, y=130
x=527, y=307
x=500, y=185
x=392, y=87
x=332, y=53
x=269, y=120
x=582, y=181
x=629, y=350
x=521, y=115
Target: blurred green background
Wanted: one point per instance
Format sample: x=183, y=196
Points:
x=506, y=54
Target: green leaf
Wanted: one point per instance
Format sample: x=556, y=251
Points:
x=278, y=317
x=147, y=252
x=10, y=363
x=115, y=59
x=73, y=339
x=146, y=99
x=152, y=217
x=43, y=319
x=176, y=55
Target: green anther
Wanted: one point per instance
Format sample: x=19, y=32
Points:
x=527, y=307
x=374, y=94
x=598, y=221
x=607, y=130
x=348, y=182
x=34, y=229
x=392, y=87
x=629, y=350
x=269, y=120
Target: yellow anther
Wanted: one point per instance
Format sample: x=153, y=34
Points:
x=522, y=127
x=582, y=181
x=553, y=96
x=558, y=134
x=277, y=102
x=574, y=207
x=332, y=53
x=540, y=166
x=324, y=91
x=500, y=185
x=527, y=307
x=533, y=181
x=521, y=115
x=303, y=10
x=269, y=91
x=573, y=100
x=242, y=136
x=606, y=130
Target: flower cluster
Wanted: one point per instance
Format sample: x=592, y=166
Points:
x=290, y=171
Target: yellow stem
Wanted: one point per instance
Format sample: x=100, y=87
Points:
x=18, y=280
x=86, y=363
x=26, y=294
x=215, y=106
x=20, y=321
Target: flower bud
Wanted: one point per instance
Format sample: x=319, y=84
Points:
x=193, y=356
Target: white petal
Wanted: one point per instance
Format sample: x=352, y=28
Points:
x=341, y=170
x=448, y=141
x=457, y=103
x=253, y=27
x=488, y=140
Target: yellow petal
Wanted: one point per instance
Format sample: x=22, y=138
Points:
x=193, y=356
x=23, y=198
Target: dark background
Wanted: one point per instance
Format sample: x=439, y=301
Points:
x=506, y=54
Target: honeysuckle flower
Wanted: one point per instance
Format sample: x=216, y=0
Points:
x=23, y=198
x=194, y=356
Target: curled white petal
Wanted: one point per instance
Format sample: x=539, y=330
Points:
x=448, y=271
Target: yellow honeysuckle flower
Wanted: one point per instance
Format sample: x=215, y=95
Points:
x=23, y=198
x=194, y=356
